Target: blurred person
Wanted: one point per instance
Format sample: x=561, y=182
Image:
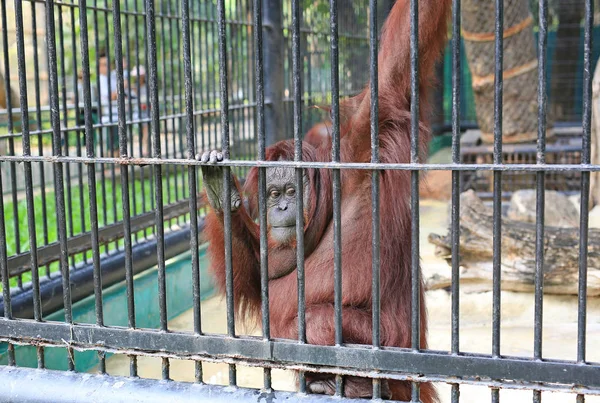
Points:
x=140, y=106
x=109, y=113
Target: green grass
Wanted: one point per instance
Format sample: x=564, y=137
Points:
x=78, y=220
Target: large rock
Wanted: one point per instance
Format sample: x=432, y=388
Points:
x=576, y=200
x=559, y=211
x=436, y=185
x=594, y=217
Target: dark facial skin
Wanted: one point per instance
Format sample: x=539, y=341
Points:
x=281, y=195
x=281, y=203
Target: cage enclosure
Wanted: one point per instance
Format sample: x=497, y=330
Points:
x=106, y=108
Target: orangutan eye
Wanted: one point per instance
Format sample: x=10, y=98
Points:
x=291, y=192
x=274, y=194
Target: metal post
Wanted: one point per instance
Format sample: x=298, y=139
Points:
x=273, y=69
x=438, y=119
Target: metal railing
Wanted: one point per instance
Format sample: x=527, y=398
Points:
x=372, y=361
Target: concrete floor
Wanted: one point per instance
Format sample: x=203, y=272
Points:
x=559, y=331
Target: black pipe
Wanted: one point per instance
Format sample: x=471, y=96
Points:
x=113, y=271
x=32, y=385
x=273, y=68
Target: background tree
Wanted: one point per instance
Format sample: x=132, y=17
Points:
x=520, y=67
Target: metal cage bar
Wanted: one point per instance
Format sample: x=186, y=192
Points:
x=91, y=171
x=337, y=186
x=455, y=212
x=158, y=174
x=262, y=178
x=299, y=176
x=414, y=189
x=35, y=277
x=192, y=180
x=585, y=187
x=58, y=173
x=189, y=111
x=227, y=182
x=497, y=213
x=540, y=188
x=123, y=140
x=375, y=200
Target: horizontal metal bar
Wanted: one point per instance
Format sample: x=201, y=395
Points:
x=18, y=264
x=306, y=164
x=81, y=280
x=33, y=385
x=362, y=360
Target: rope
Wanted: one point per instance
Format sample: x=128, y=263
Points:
x=479, y=81
x=489, y=37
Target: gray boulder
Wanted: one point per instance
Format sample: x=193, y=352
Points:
x=559, y=210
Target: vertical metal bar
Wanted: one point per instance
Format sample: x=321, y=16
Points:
x=4, y=271
x=196, y=46
x=63, y=92
x=308, y=87
x=244, y=72
x=58, y=172
x=414, y=199
x=156, y=153
x=337, y=187
x=224, y=97
x=137, y=106
x=224, y=100
x=166, y=18
x=455, y=224
x=232, y=79
x=541, y=159
x=175, y=99
x=168, y=92
x=198, y=95
x=122, y=127
x=131, y=145
x=246, y=76
x=375, y=199
x=274, y=67
x=262, y=178
x=181, y=97
x=148, y=92
x=107, y=111
x=42, y=176
x=87, y=106
x=585, y=186
x=540, y=188
x=82, y=219
x=129, y=107
x=11, y=141
x=27, y=167
x=112, y=142
x=101, y=112
x=375, y=174
x=297, y=116
x=211, y=85
x=497, y=213
x=35, y=279
x=189, y=130
x=142, y=127
x=162, y=88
